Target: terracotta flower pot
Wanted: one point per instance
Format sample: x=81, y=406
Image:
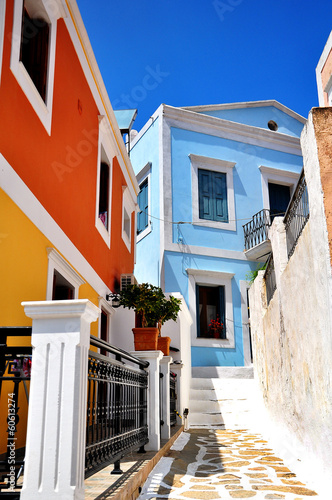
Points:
x=146, y=339
x=163, y=345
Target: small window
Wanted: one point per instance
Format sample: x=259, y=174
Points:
x=143, y=203
x=62, y=289
x=104, y=182
x=103, y=329
x=212, y=188
x=126, y=223
x=272, y=125
x=128, y=207
x=279, y=196
x=35, y=49
x=211, y=311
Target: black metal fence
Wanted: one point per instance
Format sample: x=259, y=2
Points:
x=15, y=366
x=297, y=214
x=270, y=279
x=116, y=407
x=173, y=397
x=256, y=230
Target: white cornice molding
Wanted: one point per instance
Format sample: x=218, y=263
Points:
x=213, y=162
x=244, y=105
x=277, y=171
x=203, y=251
x=226, y=129
x=212, y=274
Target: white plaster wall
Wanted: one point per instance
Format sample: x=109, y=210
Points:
x=122, y=323
x=293, y=341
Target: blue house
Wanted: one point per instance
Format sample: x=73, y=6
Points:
x=204, y=173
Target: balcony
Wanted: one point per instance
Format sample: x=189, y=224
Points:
x=256, y=236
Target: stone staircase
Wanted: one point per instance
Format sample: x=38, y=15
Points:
x=228, y=399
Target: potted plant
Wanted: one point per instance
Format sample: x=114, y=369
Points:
x=216, y=328
x=152, y=309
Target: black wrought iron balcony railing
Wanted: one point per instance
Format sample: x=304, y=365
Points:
x=256, y=230
x=297, y=214
x=270, y=279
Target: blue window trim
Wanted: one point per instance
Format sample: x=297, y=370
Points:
x=143, y=203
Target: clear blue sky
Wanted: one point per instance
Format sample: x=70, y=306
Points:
x=191, y=52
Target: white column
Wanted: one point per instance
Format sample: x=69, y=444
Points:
x=153, y=357
x=55, y=445
x=165, y=362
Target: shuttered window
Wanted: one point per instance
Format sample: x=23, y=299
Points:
x=143, y=203
x=212, y=188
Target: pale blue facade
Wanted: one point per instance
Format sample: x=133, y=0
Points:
x=181, y=250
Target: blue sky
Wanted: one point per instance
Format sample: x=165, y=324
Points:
x=186, y=53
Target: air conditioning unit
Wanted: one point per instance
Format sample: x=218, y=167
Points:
x=127, y=279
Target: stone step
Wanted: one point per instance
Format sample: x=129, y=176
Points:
x=219, y=372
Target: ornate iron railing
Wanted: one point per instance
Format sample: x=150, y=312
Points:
x=173, y=397
x=116, y=407
x=297, y=214
x=270, y=279
x=256, y=230
x=15, y=366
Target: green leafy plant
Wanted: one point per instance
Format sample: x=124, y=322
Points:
x=252, y=275
x=150, y=304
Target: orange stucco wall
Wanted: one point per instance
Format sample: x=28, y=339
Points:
x=61, y=169
x=325, y=74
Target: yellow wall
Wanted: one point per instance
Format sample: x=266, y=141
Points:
x=24, y=264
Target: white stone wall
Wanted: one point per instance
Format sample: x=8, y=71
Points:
x=292, y=336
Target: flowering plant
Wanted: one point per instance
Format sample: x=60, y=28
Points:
x=216, y=325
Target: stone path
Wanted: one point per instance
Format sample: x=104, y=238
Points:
x=222, y=464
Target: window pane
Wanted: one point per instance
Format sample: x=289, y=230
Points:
x=143, y=202
x=210, y=312
x=104, y=193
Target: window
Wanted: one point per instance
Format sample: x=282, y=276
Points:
x=278, y=187
x=279, y=196
x=63, y=281
x=143, y=203
x=106, y=153
x=128, y=207
x=104, y=330
x=213, y=198
x=211, y=311
x=212, y=190
x=104, y=181
x=33, y=52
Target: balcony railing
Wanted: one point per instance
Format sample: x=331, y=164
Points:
x=256, y=231
x=116, y=407
x=15, y=365
x=297, y=214
x=270, y=279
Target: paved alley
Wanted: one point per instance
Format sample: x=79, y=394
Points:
x=222, y=464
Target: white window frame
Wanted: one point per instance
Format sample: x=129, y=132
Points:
x=128, y=207
x=328, y=90
x=211, y=278
x=215, y=165
x=275, y=176
x=106, y=153
x=142, y=176
x=51, y=11
x=57, y=263
x=2, y=29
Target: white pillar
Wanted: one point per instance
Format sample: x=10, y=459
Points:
x=153, y=357
x=55, y=445
x=165, y=362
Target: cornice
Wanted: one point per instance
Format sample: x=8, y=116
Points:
x=244, y=105
x=226, y=129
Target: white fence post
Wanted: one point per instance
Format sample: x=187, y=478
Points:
x=153, y=357
x=55, y=445
x=165, y=402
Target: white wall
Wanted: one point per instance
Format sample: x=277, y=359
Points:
x=292, y=337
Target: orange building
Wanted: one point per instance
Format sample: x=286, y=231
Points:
x=68, y=194
x=324, y=75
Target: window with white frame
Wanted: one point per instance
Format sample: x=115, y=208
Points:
x=63, y=281
x=2, y=29
x=33, y=52
x=213, y=192
x=143, y=200
x=211, y=306
x=277, y=187
x=106, y=153
x=128, y=207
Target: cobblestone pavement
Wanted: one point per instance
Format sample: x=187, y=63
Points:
x=222, y=464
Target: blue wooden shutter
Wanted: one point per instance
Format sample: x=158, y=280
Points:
x=221, y=290
x=205, y=190
x=212, y=189
x=143, y=203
